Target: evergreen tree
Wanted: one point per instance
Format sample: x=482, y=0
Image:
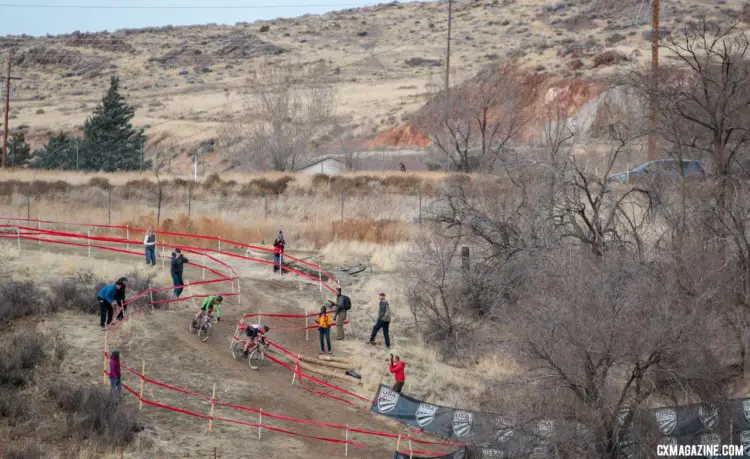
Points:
x=110, y=142
x=59, y=153
x=19, y=152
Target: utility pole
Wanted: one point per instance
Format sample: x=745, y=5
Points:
x=654, y=79
x=6, y=129
x=448, y=49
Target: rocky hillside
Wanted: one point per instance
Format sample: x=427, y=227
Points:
x=190, y=82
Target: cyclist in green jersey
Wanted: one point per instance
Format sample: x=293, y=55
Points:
x=208, y=306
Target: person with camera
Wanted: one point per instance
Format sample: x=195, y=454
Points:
x=396, y=366
x=343, y=305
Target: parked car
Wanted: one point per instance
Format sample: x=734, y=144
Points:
x=660, y=167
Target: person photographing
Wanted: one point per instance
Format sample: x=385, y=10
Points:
x=396, y=366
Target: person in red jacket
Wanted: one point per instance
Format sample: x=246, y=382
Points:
x=397, y=368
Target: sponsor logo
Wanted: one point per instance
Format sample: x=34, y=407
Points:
x=622, y=415
x=426, y=414
x=504, y=432
x=746, y=408
x=666, y=419
x=545, y=428
x=493, y=453
x=462, y=421
x=387, y=400
x=711, y=439
x=708, y=415
x=745, y=440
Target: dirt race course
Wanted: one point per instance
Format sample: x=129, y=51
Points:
x=160, y=342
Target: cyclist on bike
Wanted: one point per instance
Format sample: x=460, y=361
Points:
x=253, y=332
x=208, y=307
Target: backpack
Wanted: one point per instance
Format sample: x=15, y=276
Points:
x=347, y=303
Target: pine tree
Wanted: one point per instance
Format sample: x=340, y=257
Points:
x=59, y=153
x=19, y=152
x=110, y=142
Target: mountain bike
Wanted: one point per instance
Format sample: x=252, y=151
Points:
x=255, y=357
x=202, y=324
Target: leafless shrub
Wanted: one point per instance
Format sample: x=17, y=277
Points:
x=30, y=451
x=22, y=299
x=19, y=359
x=96, y=414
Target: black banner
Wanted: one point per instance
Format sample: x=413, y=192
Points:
x=727, y=423
x=463, y=426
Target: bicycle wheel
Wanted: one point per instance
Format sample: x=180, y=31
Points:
x=205, y=332
x=256, y=358
x=193, y=325
x=238, y=350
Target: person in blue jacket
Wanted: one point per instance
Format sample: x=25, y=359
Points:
x=108, y=295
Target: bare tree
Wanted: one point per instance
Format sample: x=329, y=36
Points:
x=289, y=105
x=705, y=98
x=159, y=166
x=351, y=142
x=474, y=124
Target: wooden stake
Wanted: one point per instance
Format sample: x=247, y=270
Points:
x=398, y=442
x=39, y=236
x=105, y=367
x=18, y=236
x=211, y=416
x=88, y=239
x=410, y=449
x=307, y=330
x=219, y=243
x=346, y=445
x=260, y=422
x=320, y=281
x=234, y=335
x=239, y=292
x=151, y=296
x=143, y=380
x=190, y=291
x=127, y=237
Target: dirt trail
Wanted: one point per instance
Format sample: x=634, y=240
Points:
x=186, y=362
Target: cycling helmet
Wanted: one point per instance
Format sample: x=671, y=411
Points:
x=266, y=328
x=219, y=298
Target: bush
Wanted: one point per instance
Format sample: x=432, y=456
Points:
x=261, y=186
x=18, y=360
x=31, y=451
x=138, y=281
x=20, y=299
x=213, y=181
x=75, y=294
x=14, y=407
x=100, y=182
x=96, y=414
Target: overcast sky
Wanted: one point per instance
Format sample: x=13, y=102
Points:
x=40, y=17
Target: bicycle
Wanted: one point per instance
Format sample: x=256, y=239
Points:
x=255, y=357
x=202, y=324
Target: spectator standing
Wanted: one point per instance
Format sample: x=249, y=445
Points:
x=149, y=242
x=324, y=328
x=176, y=268
x=384, y=322
x=343, y=305
x=106, y=296
x=396, y=366
x=115, y=377
x=120, y=297
x=278, y=252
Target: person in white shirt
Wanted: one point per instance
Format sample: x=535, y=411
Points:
x=149, y=242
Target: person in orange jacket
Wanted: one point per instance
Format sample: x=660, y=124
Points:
x=324, y=328
x=397, y=368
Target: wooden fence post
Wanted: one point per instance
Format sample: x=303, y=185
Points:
x=260, y=422
x=127, y=237
x=151, y=296
x=106, y=350
x=219, y=243
x=346, y=445
x=190, y=291
x=39, y=235
x=143, y=380
x=307, y=330
x=398, y=442
x=88, y=239
x=211, y=416
x=18, y=236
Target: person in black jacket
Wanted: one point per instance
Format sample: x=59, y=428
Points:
x=120, y=297
x=176, y=268
x=343, y=304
